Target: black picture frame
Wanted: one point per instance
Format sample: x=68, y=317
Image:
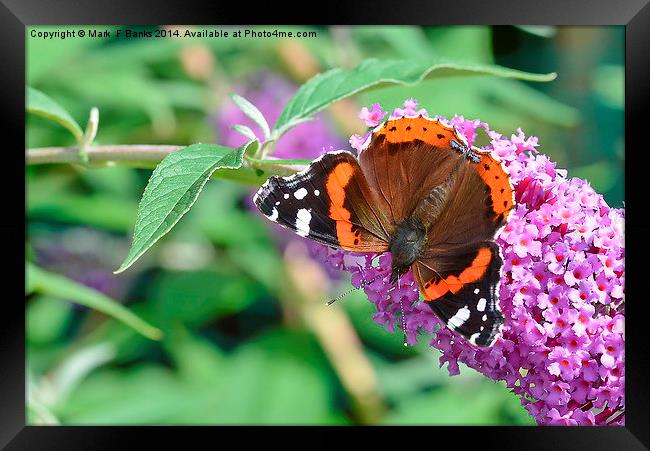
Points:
x=15, y=15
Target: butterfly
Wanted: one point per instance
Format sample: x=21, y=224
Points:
x=419, y=191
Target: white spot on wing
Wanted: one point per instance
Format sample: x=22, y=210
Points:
x=473, y=338
x=300, y=194
x=303, y=218
x=316, y=192
x=481, y=304
x=484, y=318
x=476, y=291
x=286, y=196
x=274, y=215
x=459, y=318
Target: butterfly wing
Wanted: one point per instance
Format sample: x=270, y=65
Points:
x=462, y=288
x=406, y=159
x=459, y=273
x=330, y=202
x=471, y=206
x=498, y=187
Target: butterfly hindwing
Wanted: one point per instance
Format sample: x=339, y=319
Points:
x=329, y=202
x=462, y=288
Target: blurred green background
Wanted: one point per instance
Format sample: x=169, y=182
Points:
x=247, y=338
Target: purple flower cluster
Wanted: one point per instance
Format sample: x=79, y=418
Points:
x=562, y=292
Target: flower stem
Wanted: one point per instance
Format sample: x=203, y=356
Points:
x=145, y=156
x=136, y=153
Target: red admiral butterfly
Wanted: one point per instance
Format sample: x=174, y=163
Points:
x=418, y=190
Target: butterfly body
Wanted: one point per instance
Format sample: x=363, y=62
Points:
x=420, y=192
x=407, y=245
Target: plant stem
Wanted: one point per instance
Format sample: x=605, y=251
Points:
x=130, y=153
x=144, y=156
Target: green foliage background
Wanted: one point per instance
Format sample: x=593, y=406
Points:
x=238, y=344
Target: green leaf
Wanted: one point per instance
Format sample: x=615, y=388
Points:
x=251, y=147
x=173, y=188
x=61, y=287
x=41, y=105
x=253, y=114
x=337, y=84
x=247, y=132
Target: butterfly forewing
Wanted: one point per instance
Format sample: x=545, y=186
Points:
x=405, y=160
x=498, y=187
x=330, y=202
x=466, y=214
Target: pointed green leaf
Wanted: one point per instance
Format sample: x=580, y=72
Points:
x=246, y=131
x=337, y=84
x=253, y=113
x=251, y=147
x=63, y=288
x=40, y=104
x=172, y=190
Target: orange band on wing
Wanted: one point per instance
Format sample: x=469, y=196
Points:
x=409, y=129
x=496, y=178
x=453, y=284
x=347, y=234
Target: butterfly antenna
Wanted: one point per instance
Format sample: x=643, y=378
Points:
x=364, y=283
x=341, y=296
